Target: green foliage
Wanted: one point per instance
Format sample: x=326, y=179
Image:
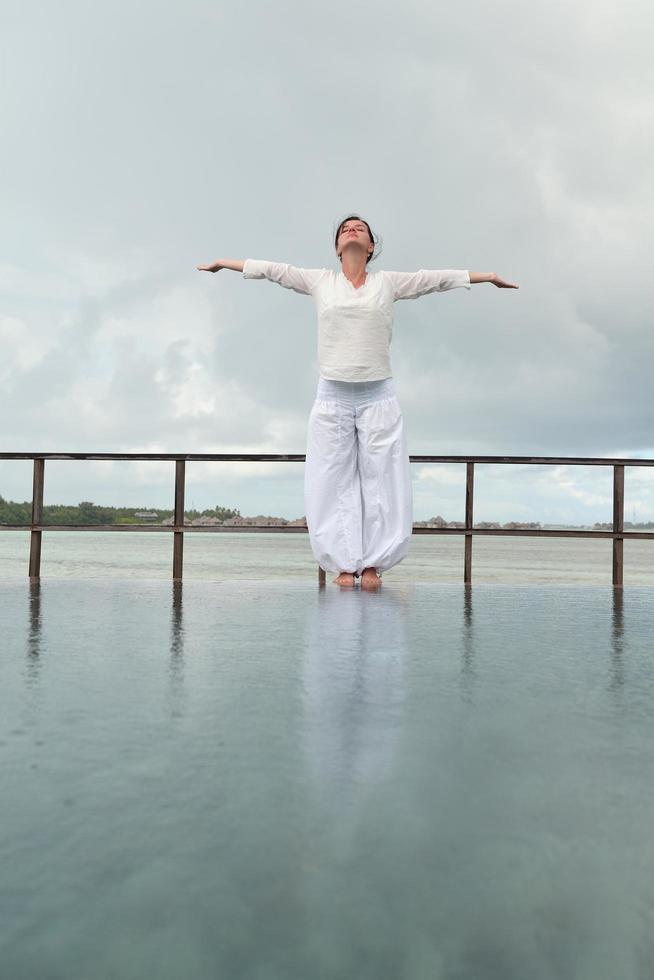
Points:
x=88, y=513
x=13, y=513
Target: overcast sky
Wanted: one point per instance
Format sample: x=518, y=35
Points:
x=142, y=138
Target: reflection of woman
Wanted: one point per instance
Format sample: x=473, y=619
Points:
x=354, y=693
x=357, y=475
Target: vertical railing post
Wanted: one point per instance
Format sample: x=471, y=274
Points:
x=470, y=492
x=178, y=535
x=322, y=578
x=618, y=524
x=37, y=518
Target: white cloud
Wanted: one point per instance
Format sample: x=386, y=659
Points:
x=443, y=474
x=21, y=350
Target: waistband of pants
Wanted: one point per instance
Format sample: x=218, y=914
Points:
x=355, y=393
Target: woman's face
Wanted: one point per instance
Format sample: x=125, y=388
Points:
x=354, y=232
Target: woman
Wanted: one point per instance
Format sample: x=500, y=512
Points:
x=357, y=475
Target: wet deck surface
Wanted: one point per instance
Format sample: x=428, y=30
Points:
x=263, y=780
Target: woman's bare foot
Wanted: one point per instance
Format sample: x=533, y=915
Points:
x=370, y=579
x=345, y=579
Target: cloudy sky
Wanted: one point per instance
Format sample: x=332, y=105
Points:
x=143, y=138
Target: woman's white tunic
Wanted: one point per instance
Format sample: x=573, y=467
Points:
x=355, y=326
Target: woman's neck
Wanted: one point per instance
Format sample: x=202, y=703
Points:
x=354, y=267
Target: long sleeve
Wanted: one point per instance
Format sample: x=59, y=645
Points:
x=410, y=285
x=288, y=276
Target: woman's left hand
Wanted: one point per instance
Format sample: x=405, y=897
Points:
x=502, y=284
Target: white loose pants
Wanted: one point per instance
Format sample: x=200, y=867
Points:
x=357, y=485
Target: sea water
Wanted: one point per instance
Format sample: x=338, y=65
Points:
x=268, y=556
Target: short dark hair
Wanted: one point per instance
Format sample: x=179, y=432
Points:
x=374, y=240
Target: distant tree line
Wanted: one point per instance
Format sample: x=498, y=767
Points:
x=640, y=525
x=89, y=513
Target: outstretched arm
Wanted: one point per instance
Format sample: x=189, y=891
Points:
x=288, y=276
x=236, y=265
x=492, y=277
x=410, y=285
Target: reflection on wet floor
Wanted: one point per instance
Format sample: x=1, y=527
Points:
x=176, y=672
x=354, y=684
x=617, y=673
x=425, y=780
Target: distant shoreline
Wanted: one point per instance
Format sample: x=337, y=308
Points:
x=89, y=514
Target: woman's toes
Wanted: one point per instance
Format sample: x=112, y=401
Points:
x=370, y=579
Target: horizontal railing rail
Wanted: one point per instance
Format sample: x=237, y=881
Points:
x=300, y=457
x=179, y=528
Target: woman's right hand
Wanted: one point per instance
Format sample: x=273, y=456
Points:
x=236, y=265
x=214, y=267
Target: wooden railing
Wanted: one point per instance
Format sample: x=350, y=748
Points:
x=179, y=528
